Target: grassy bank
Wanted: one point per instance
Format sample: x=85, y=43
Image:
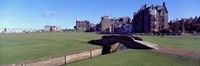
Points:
x=31, y=46
x=134, y=57
x=139, y=58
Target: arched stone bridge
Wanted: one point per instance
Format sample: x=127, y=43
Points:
x=112, y=43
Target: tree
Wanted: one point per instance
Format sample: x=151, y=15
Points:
x=176, y=27
x=196, y=27
x=75, y=27
x=189, y=24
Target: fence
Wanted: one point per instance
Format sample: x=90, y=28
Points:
x=151, y=34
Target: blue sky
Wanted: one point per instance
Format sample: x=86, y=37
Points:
x=36, y=14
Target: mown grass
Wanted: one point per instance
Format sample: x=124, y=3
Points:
x=185, y=42
x=31, y=46
x=133, y=57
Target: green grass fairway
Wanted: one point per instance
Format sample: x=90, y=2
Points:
x=31, y=46
x=139, y=58
x=186, y=42
x=134, y=57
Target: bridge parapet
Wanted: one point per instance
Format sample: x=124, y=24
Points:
x=131, y=42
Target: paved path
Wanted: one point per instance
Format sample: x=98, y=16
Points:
x=178, y=51
x=171, y=50
x=149, y=44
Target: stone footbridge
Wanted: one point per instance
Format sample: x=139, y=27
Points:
x=113, y=43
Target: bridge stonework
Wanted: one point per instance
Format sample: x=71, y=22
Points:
x=131, y=42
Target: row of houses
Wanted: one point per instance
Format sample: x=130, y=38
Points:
x=51, y=28
x=47, y=28
x=148, y=19
x=185, y=25
x=115, y=25
x=17, y=30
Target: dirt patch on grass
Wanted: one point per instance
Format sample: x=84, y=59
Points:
x=178, y=51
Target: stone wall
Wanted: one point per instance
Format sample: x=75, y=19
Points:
x=61, y=60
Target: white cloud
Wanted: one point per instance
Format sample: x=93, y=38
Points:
x=49, y=13
x=66, y=13
x=5, y=13
x=108, y=12
x=28, y=15
x=15, y=21
x=30, y=22
x=71, y=28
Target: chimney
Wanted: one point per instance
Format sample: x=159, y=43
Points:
x=164, y=4
x=145, y=6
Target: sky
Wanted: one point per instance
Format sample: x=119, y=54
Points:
x=35, y=14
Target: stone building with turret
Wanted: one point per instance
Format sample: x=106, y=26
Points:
x=150, y=19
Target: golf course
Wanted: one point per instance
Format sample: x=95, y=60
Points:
x=21, y=47
x=135, y=57
x=33, y=46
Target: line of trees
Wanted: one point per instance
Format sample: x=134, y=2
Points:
x=185, y=25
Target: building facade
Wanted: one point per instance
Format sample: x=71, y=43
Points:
x=82, y=25
x=50, y=28
x=106, y=24
x=185, y=25
x=113, y=25
x=150, y=19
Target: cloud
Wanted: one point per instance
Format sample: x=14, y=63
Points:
x=28, y=15
x=49, y=13
x=5, y=13
x=30, y=22
x=15, y=21
x=108, y=12
x=66, y=13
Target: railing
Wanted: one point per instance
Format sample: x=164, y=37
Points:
x=157, y=34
